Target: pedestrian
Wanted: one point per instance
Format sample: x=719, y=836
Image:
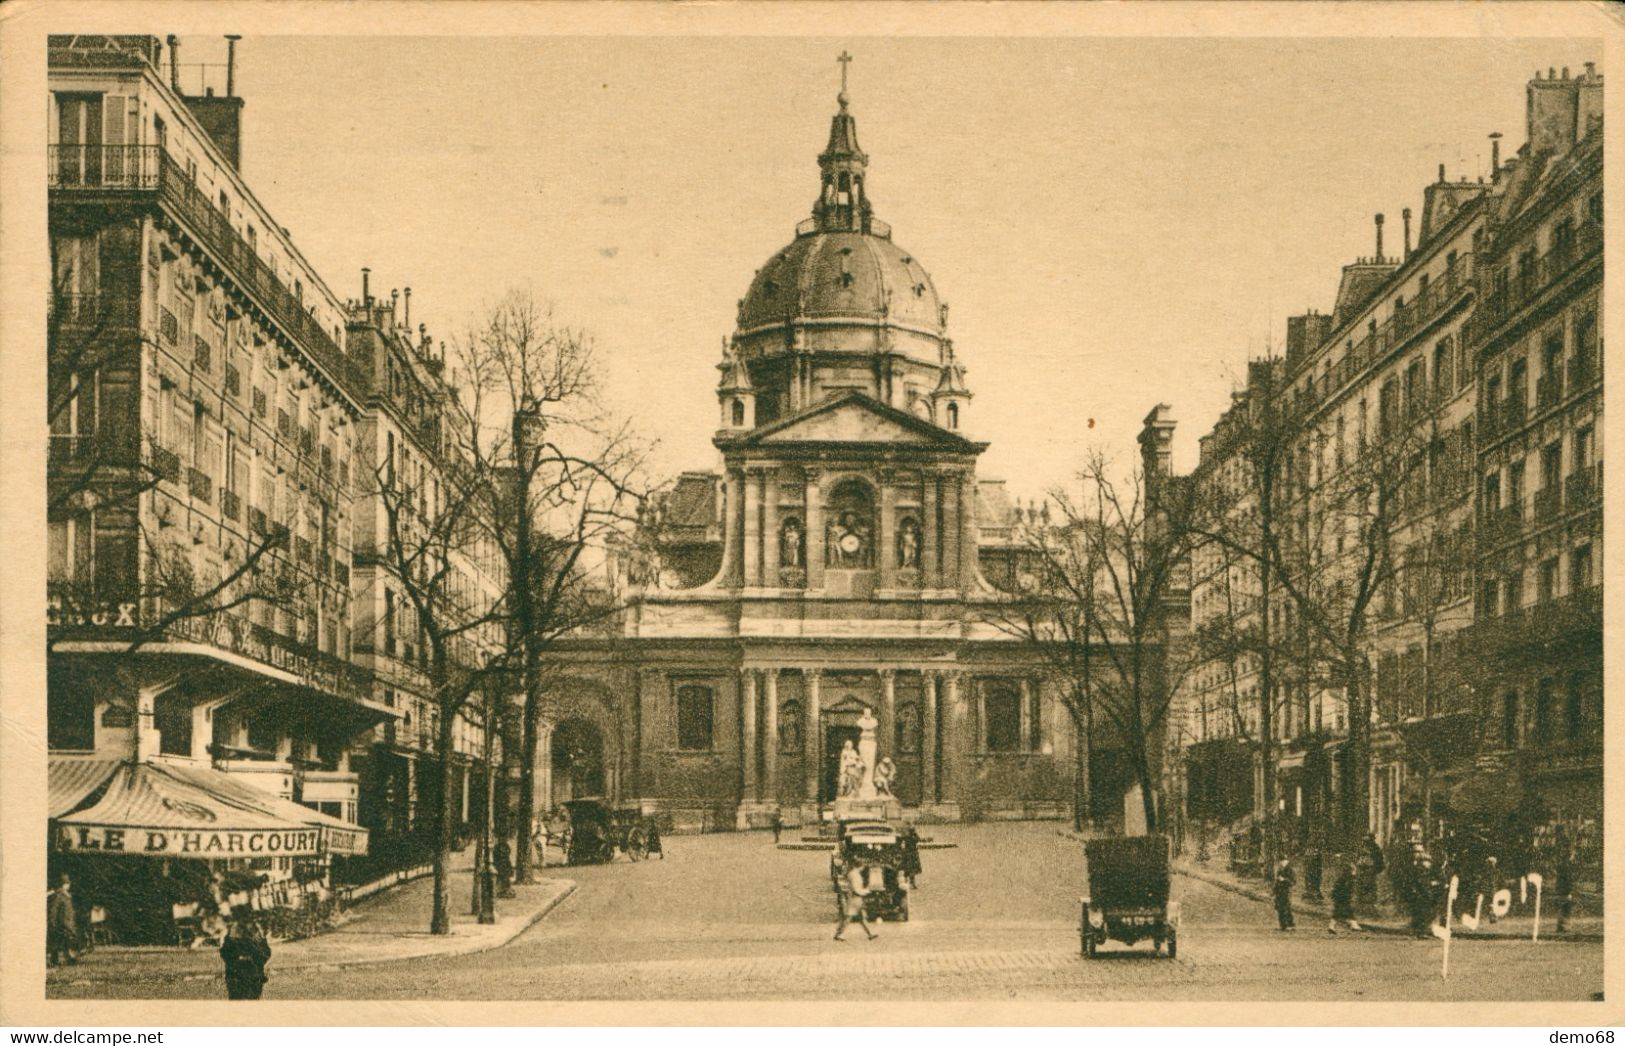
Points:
x=778, y=825
x=1285, y=879
x=652, y=830
x=538, y=842
x=1491, y=883
x=1424, y=887
x=61, y=924
x=911, y=855
x=854, y=888
x=1371, y=864
x=245, y=953
x=1564, y=875
x=1343, y=898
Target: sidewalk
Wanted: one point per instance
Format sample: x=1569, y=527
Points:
x=1514, y=928
x=388, y=927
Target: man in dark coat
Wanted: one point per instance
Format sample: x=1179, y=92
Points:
x=1285, y=879
x=1343, y=898
x=1371, y=865
x=502, y=862
x=245, y=953
x=61, y=924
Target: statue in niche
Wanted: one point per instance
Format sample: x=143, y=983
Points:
x=908, y=544
x=791, y=548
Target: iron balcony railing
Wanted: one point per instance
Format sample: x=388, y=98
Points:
x=103, y=166
x=150, y=168
x=1531, y=278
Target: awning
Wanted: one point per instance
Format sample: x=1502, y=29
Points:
x=149, y=811
x=72, y=781
x=338, y=835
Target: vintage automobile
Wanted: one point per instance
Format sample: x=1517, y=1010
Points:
x=879, y=847
x=597, y=830
x=1128, y=894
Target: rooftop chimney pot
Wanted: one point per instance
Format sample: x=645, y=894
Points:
x=1406, y=215
x=231, y=63
x=174, y=62
x=366, y=294
x=1379, y=239
x=1495, y=153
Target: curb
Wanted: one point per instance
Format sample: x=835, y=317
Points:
x=1378, y=928
x=472, y=948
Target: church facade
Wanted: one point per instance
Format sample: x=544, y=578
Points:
x=837, y=564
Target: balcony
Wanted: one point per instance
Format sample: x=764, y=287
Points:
x=103, y=167
x=202, y=353
x=167, y=464
x=1584, y=486
x=169, y=327
x=231, y=506
x=234, y=381
x=200, y=485
x=1548, y=503
x=149, y=169
x=1534, y=277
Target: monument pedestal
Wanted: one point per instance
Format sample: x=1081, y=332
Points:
x=938, y=813
x=879, y=808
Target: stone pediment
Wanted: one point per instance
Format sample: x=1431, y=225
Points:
x=856, y=418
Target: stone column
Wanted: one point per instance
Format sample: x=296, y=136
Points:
x=950, y=532
x=747, y=731
x=930, y=555
x=732, y=522
x=928, y=740
x=967, y=531
x=815, y=532
x=770, y=528
x=888, y=713
x=752, y=528
x=770, y=735
x=953, y=736
x=812, y=742
x=886, y=552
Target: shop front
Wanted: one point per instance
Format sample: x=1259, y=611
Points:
x=166, y=851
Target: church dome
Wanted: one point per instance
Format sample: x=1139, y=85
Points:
x=825, y=275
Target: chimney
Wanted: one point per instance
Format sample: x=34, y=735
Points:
x=1495, y=153
x=366, y=294
x=408, y=321
x=174, y=43
x=1379, y=238
x=1405, y=215
x=394, y=306
x=222, y=118
x=231, y=63
x=1441, y=172
x=1552, y=113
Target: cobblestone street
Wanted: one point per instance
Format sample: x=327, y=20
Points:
x=730, y=916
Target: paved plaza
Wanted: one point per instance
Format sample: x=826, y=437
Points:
x=729, y=916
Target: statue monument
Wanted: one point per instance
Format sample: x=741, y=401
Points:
x=866, y=753
x=865, y=787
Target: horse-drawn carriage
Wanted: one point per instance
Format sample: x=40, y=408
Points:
x=595, y=830
x=1128, y=894
x=884, y=852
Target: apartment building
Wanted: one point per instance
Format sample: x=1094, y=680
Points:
x=1417, y=381
x=1537, y=345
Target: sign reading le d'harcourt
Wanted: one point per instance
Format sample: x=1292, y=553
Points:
x=188, y=842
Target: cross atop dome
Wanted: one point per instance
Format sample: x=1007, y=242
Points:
x=843, y=205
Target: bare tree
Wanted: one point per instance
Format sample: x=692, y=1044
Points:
x=567, y=480
x=429, y=543
x=1097, y=589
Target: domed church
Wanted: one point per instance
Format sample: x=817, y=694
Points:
x=838, y=561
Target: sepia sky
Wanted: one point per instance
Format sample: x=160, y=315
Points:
x=1115, y=222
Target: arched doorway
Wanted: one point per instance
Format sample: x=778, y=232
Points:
x=578, y=760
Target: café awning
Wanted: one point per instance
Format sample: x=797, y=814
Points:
x=72, y=781
x=172, y=810
x=150, y=811
x=338, y=835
